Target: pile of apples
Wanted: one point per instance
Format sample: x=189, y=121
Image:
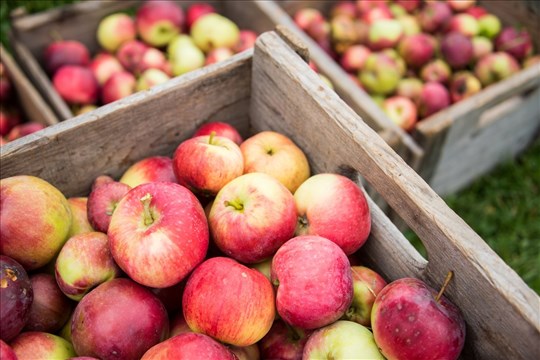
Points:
x=12, y=124
x=161, y=41
x=416, y=57
x=229, y=249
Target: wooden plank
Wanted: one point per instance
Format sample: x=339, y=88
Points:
x=488, y=291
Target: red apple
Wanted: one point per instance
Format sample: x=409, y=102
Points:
x=105, y=317
x=334, y=207
x=461, y=5
x=33, y=213
x=102, y=202
x=354, y=58
x=364, y=6
x=409, y=321
x=409, y=5
x=187, y=347
x=130, y=55
x=344, y=7
x=158, y=234
x=220, y=129
x=221, y=283
x=246, y=41
x=481, y=47
x=100, y=180
x=79, y=223
x=515, y=42
x=495, y=67
x=417, y=49
x=159, y=21
x=463, y=23
x=65, y=52
x=367, y=284
x=314, y=282
x=76, y=84
x=434, y=16
x=41, y=345
x=150, y=169
x=381, y=12
x=283, y=342
x=402, y=111
x=104, y=66
x=436, y=70
x=434, y=98
x=197, y=10
x=114, y=30
x=24, y=129
x=463, y=85
x=9, y=118
x=6, y=352
x=118, y=86
x=217, y=55
x=457, y=50
x=304, y=17
x=476, y=11
x=152, y=58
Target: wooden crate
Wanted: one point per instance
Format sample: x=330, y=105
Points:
x=467, y=139
x=32, y=33
x=271, y=88
x=32, y=104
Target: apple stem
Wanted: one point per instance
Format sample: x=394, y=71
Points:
x=445, y=284
x=146, y=199
x=212, y=134
x=235, y=205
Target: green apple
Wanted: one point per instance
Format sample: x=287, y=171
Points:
x=213, y=31
x=184, y=55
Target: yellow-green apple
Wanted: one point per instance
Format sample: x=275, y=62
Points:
x=218, y=54
x=24, y=129
x=277, y=155
x=495, y=67
x=410, y=87
x=222, y=283
x=516, y=42
x=205, y=164
x=114, y=30
x=65, y=52
x=283, y=342
x=481, y=47
x=150, y=78
x=381, y=74
x=436, y=70
x=410, y=321
x=463, y=85
x=130, y=54
x=79, y=217
x=305, y=16
x=197, y=10
x=354, y=58
x=178, y=324
x=150, y=169
x=118, y=86
x=76, y=84
x=338, y=35
x=317, y=202
x=397, y=10
x=250, y=352
x=106, y=315
x=36, y=218
x=246, y=40
x=384, y=33
x=103, y=66
x=102, y=203
x=251, y=217
x=314, y=281
x=410, y=25
x=152, y=58
x=184, y=55
x=187, y=347
x=402, y=111
x=84, y=109
x=367, y=284
x=213, y=30
x=417, y=50
x=65, y=332
x=50, y=308
x=434, y=16
x=158, y=234
x=6, y=352
x=489, y=26
x=461, y=5
x=463, y=23
x=41, y=345
x=16, y=296
x=220, y=129
x=342, y=340
x=434, y=98
x=159, y=21
x=83, y=263
x=457, y=50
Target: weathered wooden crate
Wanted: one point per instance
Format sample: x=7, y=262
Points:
x=271, y=88
x=467, y=139
x=32, y=33
x=32, y=104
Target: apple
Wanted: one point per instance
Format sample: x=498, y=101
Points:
x=364, y=6
x=457, y=49
x=436, y=70
x=220, y=129
x=6, y=352
x=130, y=55
x=417, y=50
x=213, y=30
x=158, y=234
x=159, y=21
x=434, y=97
x=178, y=324
x=495, y=67
x=65, y=52
x=106, y=315
x=381, y=74
x=187, y=347
x=79, y=223
x=410, y=25
x=477, y=11
x=65, y=332
x=83, y=263
x=367, y=284
x=250, y=352
x=313, y=280
x=114, y=30
x=9, y=118
x=342, y=33
x=516, y=42
x=277, y=155
x=320, y=30
x=152, y=58
x=41, y=345
x=342, y=340
x=102, y=203
x=118, y=86
x=16, y=297
x=222, y=283
x=409, y=5
x=100, y=180
x=50, y=308
x=489, y=26
x=103, y=66
x=410, y=321
x=397, y=10
x=24, y=129
x=150, y=169
x=76, y=84
x=334, y=207
x=195, y=11
x=463, y=23
x=463, y=85
x=347, y=8
x=283, y=342
x=481, y=47
x=217, y=55
x=84, y=109
x=184, y=55
x=411, y=88
x=384, y=33
x=402, y=111
x=246, y=40
x=381, y=12
x=150, y=78
x=434, y=16
x=304, y=17
x=354, y=58
x=36, y=214
x=461, y=5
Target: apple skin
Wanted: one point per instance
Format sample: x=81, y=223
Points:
x=102, y=202
x=434, y=16
x=463, y=85
x=347, y=8
x=76, y=84
x=436, y=70
x=118, y=86
x=409, y=5
x=222, y=283
x=408, y=323
x=24, y=129
x=158, y=234
x=157, y=22
x=251, y=217
x=220, y=129
x=367, y=284
x=342, y=340
x=334, y=207
x=197, y=10
x=481, y=47
x=187, y=347
x=83, y=263
x=65, y=52
x=184, y=55
x=463, y=23
x=50, y=308
x=381, y=74
x=150, y=169
x=213, y=30
x=150, y=78
x=104, y=66
x=16, y=297
x=41, y=345
x=277, y=155
x=410, y=87
x=314, y=282
x=34, y=213
x=434, y=98
x=515, y=42
x=417, y=49
x=152, y=58
x=205, y=164
x=79, y=218
x=354, y=58
x=461, y=5
x=130, y=55
x=118, y=307
x=495, y=67
x=283, y=342
x=457, y=49
x=384, y=33
x=246, y=40
x=340, y=32
x=489, y=26
x=402, y=111
x=410, y=25
x=114, y=30
x=376, y=13
x=6, y=352
x=217, y=55
x=305, y=16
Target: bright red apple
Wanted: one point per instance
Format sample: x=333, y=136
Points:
x=6, y=352
x=118, y=86
x=283, y=342
x=130, y=55
x=102, y=203
x=104, y=66
x=434, y=98
x=417, y=49
x=457, y=50
x=220, y=129
x=76, y=84
x=150, y=169
x=515, y=42
x=197, y=10
x=402, y=111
